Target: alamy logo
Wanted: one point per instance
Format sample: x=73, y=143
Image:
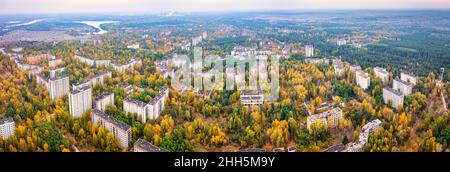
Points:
x=245, y=73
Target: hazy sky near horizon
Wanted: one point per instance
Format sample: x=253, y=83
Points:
x=156, y=6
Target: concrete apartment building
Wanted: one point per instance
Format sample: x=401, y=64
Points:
x=36, y=58
x=57, y=87
x=7, y=127
x=393, y=95
x=143, y=146
x=80, y=101
x=338, y=67
x=120, y=130
x=362, y=79
x=100, y=78
x=54, y=72
x=309, y=50
x=54, y=62
x=255, y=97
x=341, y=42
x=128, y=65
x=382, y=74
x=408, y=77
x=140, y=108
x=102, y=62
x=85, y=59
x=366, y=131
x=104, y=100
x=404, y=87
x=354, y=67
x=328, y=118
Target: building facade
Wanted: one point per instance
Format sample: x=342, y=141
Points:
x=104, y=100
x=309, y=50
x=404, y=87
x=394, y=96
x=7, y=128
x=330, y=118
x=140, y=108
x=80, y=101
x=252, y=97
x=120, y=130
x=408, y=77
x=362, y=79
x=382, y=74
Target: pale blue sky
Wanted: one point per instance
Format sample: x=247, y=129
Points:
x=155, y=6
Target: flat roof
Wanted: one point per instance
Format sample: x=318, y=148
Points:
x=76, y=91
x=398, y=93
x=110, y=119
x=6, y=120
x=103, y=95
x=148, y=146
x=136, y=102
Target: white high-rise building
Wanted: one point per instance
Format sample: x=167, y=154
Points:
x=362, y=79
x=382, y=74
x=354, y=67
x=309, y=50
x=7, y=127
x=408, y=77
x=80, y=101
x=104, y=100
x=404, y=87
x=394, y=96
x=120, y=130
x=341, y=42
x=57, y=87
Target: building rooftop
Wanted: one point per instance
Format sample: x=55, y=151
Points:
x=6, y=120
x=403, y=82
x=397, y=93
x=148, y=146
x=111, y=120
x=361, y=73
x=105, y=94
x=336, y=148
x=380, y=70
x=325, y=114
x=136, y=102
x=76, y=91
x=408, y=73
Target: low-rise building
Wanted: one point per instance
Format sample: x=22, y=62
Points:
x=393, y=96
x=404, y=87
x=54, y=72
x=84, y=59
x=128, y=65
x=120, y=130
x=364, y=135
x=255, y=97
x=127, y=87
x=330, y=118
x=143, y=146
x=100, y=78
x=104, y=100
x=7, y=127
x=80, y=101
x=362, y=79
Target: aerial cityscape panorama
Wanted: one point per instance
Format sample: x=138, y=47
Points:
x=225, y=76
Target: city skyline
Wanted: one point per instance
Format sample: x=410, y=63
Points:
x=158, y=6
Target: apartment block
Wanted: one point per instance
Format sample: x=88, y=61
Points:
x=120, y=130
x=80, y=101
x=408, y=77
x=330, y=118
x=143, y=146
x=104, y=100
x=362, y=79
x=309, y=50
x=7, y=127
x=404, y=87
x=394, y=96
x=382, y=74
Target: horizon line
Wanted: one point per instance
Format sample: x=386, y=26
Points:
x=237, y=11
